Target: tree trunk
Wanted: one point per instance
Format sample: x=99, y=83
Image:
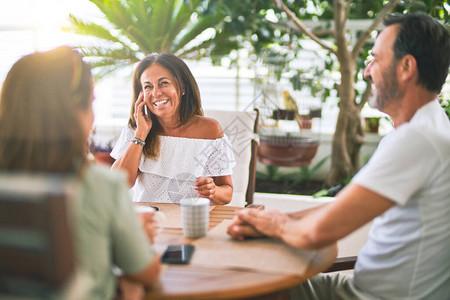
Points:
x=349, y=134
x=347, y=138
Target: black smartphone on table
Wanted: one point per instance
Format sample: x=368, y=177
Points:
x=178, y=254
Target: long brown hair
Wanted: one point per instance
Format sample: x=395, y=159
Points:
x=190, y=103
x=39, y=126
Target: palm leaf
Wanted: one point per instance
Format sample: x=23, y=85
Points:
x=191, y=31
x=104, y=51
x=139, y=27
x=92, y=29
x=104, y=57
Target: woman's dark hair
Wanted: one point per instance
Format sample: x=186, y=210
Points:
x=428, y=41
x=39, y=125
x=190, y=103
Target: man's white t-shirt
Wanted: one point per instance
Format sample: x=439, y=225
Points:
x=407, y=255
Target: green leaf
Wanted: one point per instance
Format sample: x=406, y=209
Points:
x=321, y=193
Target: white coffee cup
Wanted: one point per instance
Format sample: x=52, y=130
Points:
x=160, y=217
x=195, y=216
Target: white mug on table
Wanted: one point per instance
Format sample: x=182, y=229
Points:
x=195, y=216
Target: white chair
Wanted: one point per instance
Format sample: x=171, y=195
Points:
x=241, y=127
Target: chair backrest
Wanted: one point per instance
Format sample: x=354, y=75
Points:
x=241, y=127
x=36, y=247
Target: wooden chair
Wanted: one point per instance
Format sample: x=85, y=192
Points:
x=36, y=248
x=342, y=264
x=241, y=127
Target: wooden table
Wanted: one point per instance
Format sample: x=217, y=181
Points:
x=194, y=282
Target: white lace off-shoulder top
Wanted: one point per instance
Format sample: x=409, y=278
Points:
x=172, y=176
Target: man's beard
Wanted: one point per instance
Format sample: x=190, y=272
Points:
x=386, y=91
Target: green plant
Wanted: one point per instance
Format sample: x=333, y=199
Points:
x=373, y=121
x=305, y=173
x=446, y=106
x=270, y=174
x=372, y=124
x=332, y=191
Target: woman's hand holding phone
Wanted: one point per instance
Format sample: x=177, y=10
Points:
x=143, y=120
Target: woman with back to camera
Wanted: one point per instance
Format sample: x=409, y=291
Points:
x=45, y=120
x=169, y=150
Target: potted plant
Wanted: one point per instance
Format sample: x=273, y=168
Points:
x=371, y=124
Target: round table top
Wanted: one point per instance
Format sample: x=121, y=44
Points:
x=200, y=282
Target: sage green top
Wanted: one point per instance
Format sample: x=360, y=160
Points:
x=107, y=231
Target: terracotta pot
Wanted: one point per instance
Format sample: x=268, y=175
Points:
x=304, y=121
x=287, y=151
x=104, y=158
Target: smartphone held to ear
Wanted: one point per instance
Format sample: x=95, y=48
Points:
x=146, y=112
x=178, y=254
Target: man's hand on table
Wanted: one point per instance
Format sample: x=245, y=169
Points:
x=256, y=223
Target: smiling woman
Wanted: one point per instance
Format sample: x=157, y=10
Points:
x=171, y=151
x=159, y=90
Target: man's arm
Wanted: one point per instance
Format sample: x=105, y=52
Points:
x=354, y=206
x=302, y=213
x=315, y=228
